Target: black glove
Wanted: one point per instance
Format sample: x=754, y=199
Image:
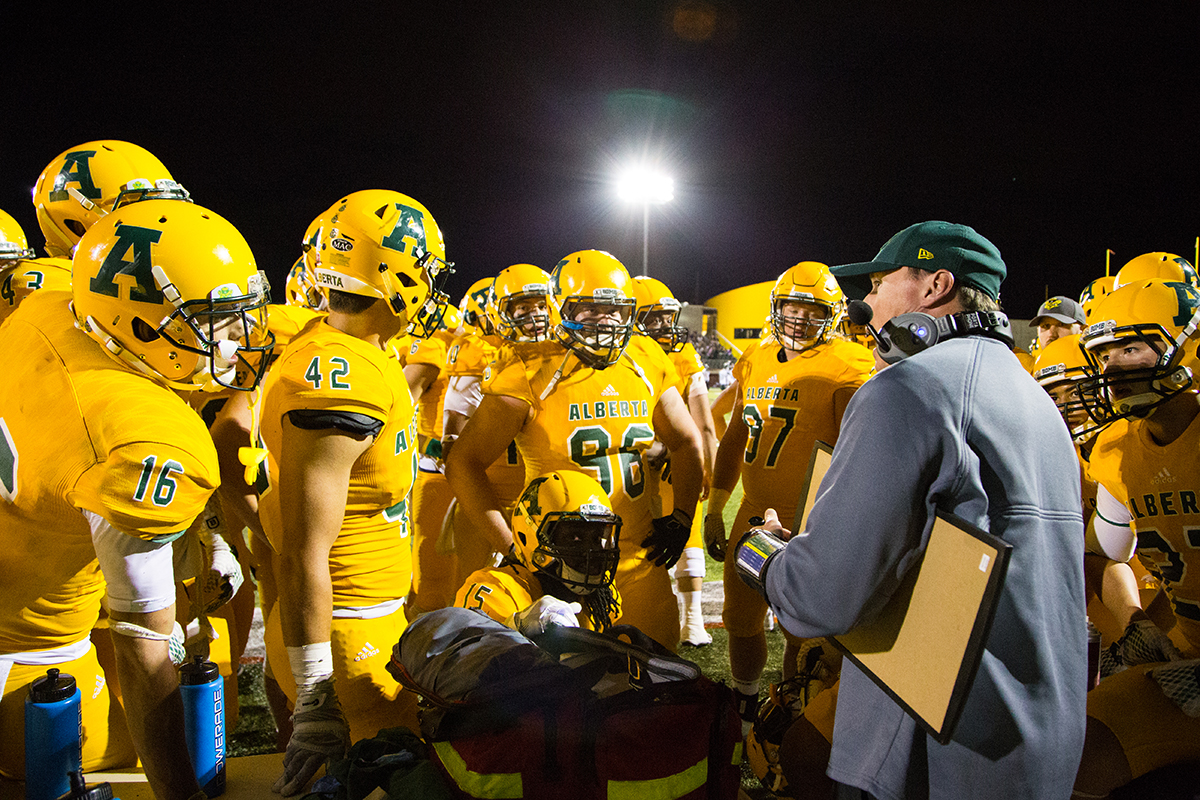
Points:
x=669, y=538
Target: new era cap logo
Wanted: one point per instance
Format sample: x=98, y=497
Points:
x=924, y=254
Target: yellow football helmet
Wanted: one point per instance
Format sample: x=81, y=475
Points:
x=1163, y=315
x=594, y=284
x=564, y=526
x=1059, y=367
x=807, y=282
x=172, y=290
x=1093, y=293
x=384, y=244
x=84, y=183
x=302, y=290
x=1156, y=267
x=522, y=305
x=473, y=307
x=13, y=244
x=658, y=313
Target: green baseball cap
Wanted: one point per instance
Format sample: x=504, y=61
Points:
x=933, y=245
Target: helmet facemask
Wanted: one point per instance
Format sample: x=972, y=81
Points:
x=597, y=344
x=799, y=333
x=426, y=318
x=661, y=323
x=227, y=331
x=1117, y=392
x=524, y=317
x=579, y=548
x=1062, y=384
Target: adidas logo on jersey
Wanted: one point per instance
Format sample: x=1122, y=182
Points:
x=773, y=379
x=609, y=391
x=367, y=651
x=1163, y=476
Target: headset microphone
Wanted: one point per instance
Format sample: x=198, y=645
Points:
x=907, y=334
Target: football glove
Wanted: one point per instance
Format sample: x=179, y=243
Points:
x=715, y=539
x=543, y=612
x=668, y=539
x=320, y=736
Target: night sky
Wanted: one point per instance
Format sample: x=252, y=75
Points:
x=794, y=130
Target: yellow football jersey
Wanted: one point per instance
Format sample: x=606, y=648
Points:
x=790, y=405
x=325, y=369
x=25, y=276
x=500, y=592
x=688, y=362
x=79, y=431
x=597, y=421
x=1160, y=486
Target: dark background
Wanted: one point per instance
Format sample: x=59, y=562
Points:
x=794, y=130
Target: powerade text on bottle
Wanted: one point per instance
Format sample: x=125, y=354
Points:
x=204, y=722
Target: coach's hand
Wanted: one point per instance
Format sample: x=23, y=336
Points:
x=668, y=539
x=320, y=735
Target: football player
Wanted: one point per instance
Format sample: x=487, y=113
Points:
x=566, y=551
x=338, y=425
x=83, y=184
x=20, y=273
x=658, y=317
x=524, y=292
x=591, y=399
x=1142, y=349
x=166, y=298
x=793, y=387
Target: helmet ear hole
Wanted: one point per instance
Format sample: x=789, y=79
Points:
x=75, y=226
x=407, y=281
x=143, y=331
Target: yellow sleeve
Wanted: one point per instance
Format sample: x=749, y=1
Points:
x=331, y=376
x=151, y=490
x=496, y=592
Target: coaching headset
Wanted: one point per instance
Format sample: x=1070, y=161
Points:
x=907, y=334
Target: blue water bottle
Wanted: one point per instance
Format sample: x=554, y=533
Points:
x=53, y=732
x=204, y=722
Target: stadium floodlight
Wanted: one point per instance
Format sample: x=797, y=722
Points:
x=641, y=185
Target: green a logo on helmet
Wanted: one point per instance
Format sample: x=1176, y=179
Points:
x=130, y=237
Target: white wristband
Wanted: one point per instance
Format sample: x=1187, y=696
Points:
x=311, y=664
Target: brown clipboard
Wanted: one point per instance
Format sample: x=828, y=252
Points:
x=924, y=648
